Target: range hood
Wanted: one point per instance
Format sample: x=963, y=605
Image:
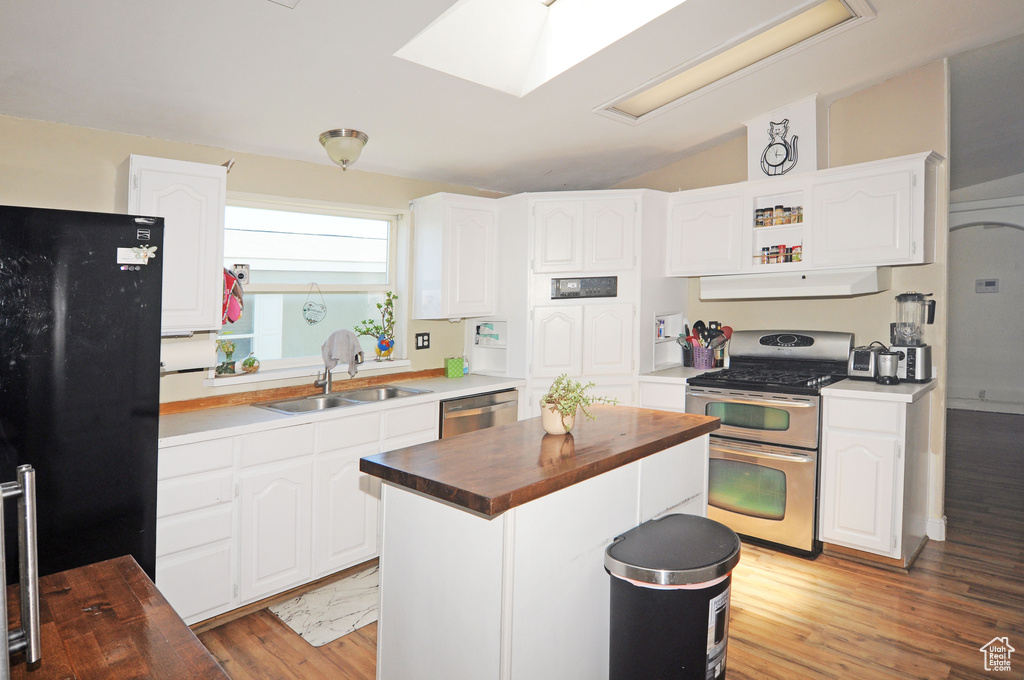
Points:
x=801, y=284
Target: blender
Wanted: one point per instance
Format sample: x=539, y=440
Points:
x=913, y=311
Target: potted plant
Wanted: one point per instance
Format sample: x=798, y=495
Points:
x=563, y=399
x=227, y=366
x=383, y=331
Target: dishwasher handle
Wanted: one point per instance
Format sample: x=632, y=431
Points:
x=463, y=411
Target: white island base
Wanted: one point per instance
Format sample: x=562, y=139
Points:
x=523, y=595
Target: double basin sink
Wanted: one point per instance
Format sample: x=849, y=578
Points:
x=321, y=402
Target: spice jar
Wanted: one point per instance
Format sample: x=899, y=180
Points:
x=797, y=254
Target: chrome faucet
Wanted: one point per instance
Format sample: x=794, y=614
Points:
x=324, y=380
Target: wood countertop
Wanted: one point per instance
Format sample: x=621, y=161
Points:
x=108, y=621
x=494, y=470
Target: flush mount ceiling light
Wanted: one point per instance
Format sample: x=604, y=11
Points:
x=344, y=146
x=788, y=33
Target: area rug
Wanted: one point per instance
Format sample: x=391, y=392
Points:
x=331, y=611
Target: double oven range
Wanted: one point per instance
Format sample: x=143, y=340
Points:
x=763, y=470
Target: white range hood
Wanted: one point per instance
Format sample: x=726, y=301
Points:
x=803, y=284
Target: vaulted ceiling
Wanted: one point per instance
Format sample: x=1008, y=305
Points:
x=256, y=76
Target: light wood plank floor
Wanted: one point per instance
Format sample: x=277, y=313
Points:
x=796, y=619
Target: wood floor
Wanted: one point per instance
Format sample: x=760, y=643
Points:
x=796, y=619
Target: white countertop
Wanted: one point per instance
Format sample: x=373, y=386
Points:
x=185, y=428
x=675, y=374
x=907, y=392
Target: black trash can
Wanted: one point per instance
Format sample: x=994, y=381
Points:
x=670, y=599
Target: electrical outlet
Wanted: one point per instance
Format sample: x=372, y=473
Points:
x=423, y=341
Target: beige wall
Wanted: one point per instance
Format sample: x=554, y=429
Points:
x=60, y=166
x=907, y=114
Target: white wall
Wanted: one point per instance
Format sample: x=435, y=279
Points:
x=986, y=335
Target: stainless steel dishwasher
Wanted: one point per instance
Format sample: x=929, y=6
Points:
x=479, y=411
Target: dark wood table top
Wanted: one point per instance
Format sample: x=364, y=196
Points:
x=493, y=470
x=107, y=621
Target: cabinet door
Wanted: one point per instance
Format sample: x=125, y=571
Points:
x=607, y=339
x=865, y=218
x=347, y=504
x=469, y=252
x=276, y=527
x=198, y=582
x=705, y=233
x=859, y=497
x=557, y=341
x=557, y=236
x=190, y=197
x=608, y=234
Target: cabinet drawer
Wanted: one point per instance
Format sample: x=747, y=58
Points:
x=863, y=415
x=197, y=583
x=401, y=423
x=177, y=461
x=279, y=444
x=191, y=530
x=343, y=433
x=194, y=493
x=663, y=396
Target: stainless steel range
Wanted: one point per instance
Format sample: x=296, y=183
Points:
x=763, y=472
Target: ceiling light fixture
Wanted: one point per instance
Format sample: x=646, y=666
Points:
x=343, y=145
x=741, y=56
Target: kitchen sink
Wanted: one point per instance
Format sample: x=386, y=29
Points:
x=321, y=402
x=380, y=393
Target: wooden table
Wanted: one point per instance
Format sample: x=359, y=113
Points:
x=492, y=542
x=108, y=621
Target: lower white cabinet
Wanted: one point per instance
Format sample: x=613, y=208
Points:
x=276, y=528
x=874, y=475
x=242, y=518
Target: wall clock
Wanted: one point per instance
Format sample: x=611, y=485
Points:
x=780, y=156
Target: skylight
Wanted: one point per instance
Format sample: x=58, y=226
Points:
x=516, y=46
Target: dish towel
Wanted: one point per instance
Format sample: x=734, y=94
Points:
x=342, y=346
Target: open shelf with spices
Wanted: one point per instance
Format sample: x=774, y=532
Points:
x=777, y=236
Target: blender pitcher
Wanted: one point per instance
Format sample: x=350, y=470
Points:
x=913, y=311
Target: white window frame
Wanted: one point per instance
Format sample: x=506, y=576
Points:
x=398, y=281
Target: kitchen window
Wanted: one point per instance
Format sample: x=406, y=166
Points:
x=313, y=268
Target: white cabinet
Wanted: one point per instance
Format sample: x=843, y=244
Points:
x=276, y=510
x=874, y=475
x=705, y=232
x=872, y=215
x=454, y=256
x=347, y=499
x=608, y=339
x=583, y=340
x=584, y=235
x=275, y=528
x=190, y=197
x=195, y=564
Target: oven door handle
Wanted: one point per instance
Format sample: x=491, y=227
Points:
x=774, y=404
x=762, y=454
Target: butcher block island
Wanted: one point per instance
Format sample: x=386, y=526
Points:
x=492, y=542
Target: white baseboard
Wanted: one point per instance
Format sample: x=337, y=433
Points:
x=987, y=406
x=936, y=528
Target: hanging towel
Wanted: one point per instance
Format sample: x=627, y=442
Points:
x=231, y=309
x=342, y=346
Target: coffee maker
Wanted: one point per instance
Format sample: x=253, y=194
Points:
x=913, y=311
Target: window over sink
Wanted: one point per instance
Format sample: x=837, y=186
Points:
x=312, y=268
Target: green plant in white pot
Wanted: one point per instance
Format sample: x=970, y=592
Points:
x=563, y=399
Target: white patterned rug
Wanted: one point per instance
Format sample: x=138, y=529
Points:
x=331, y=611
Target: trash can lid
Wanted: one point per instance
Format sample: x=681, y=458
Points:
x=674, y=550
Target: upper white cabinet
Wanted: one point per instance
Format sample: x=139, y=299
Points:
x=190, y=197
x=705, y=232
x=583, y=235
x=583, y=340
x=454, y=256
x=557, y=341
x=874, y=214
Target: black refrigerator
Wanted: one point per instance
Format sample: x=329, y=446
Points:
x=79, y=380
